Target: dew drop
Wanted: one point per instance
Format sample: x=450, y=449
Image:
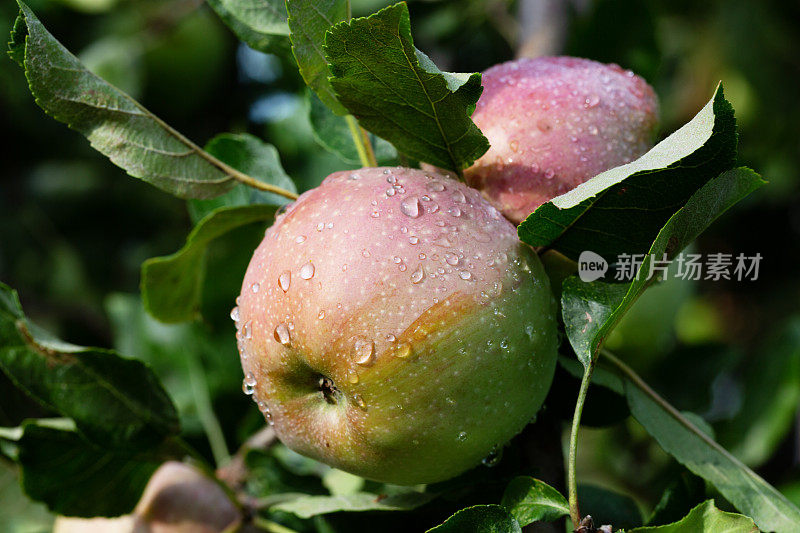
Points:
x=465, y=275
x=248, y=388
x=418, y=275
x=235, y=314
x=390, y=337
x=592, y=130
x=411, y=207
x=514, y=145
x=300, y=239
x=321, y=314
x=363, y=350
x=254, y=287
x=493, y=458
x=459, y=197
x=591, y=101
x=403, y=350
x=285, y=280
x=360, y=401
x=247, y=330
x=454, y=211
x=435, y=186
x=282, y=334
x=307, y=270
x=320, y=226
x=549, y=174
x=352, y=377
x=462, y=436
x=374, y=213
x=390, y=191
x=413, y=239
x=422, y=256
x=262, y=406
x=397, y=260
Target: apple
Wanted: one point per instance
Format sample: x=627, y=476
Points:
x=178, y=499
x=392, y=325
x=553, y=123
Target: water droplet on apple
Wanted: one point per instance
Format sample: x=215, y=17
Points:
x=462, y=436
x=282, y=334
x=403, y=350
x=418, y=275
x=235, y=314
x=300, y=239
x=285, y=280
x=360, y=401
x=411, y=207
x=254, y=287
x=363, y=350
x=307, y=270
x=247, y=330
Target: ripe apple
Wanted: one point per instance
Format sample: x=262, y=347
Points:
x=553, y=123
x=392, y=325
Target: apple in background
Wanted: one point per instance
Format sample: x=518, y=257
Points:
x=392, y=325
x=553, y=123
x=178, y=499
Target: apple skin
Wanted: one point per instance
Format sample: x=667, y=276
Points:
x=553, y=123
x=423, y=337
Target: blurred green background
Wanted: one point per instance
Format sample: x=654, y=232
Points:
x=74, y=229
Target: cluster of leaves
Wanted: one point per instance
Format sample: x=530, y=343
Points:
x=113, y=414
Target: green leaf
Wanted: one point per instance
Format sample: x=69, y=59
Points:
x=479, y=519
x=18, y=513
x=609, y=507
x=705, y=518
x=591, y=310
x=766, y=418
x=747, y=491
x=308, y=23
x=397, y=92
x=74, y=477
x=678, y=498
x=261, y=24
x=114, y=401
x=171, y=284
x=623, y=209
x=116, y=125
x=333, y=134
x=530, y=500
x=248, y=154
x=308, y=506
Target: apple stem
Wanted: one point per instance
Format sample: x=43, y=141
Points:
x=572, y=483
x=364, y=148
x=205, y=411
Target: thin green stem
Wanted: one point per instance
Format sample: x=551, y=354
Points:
x=572, y=483
x=270, y=526
x=360, y=139
x=205, y=411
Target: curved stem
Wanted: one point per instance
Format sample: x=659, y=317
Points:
x=205, y=411
x=572, y=482
x=270, y=526
x=363, y=146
